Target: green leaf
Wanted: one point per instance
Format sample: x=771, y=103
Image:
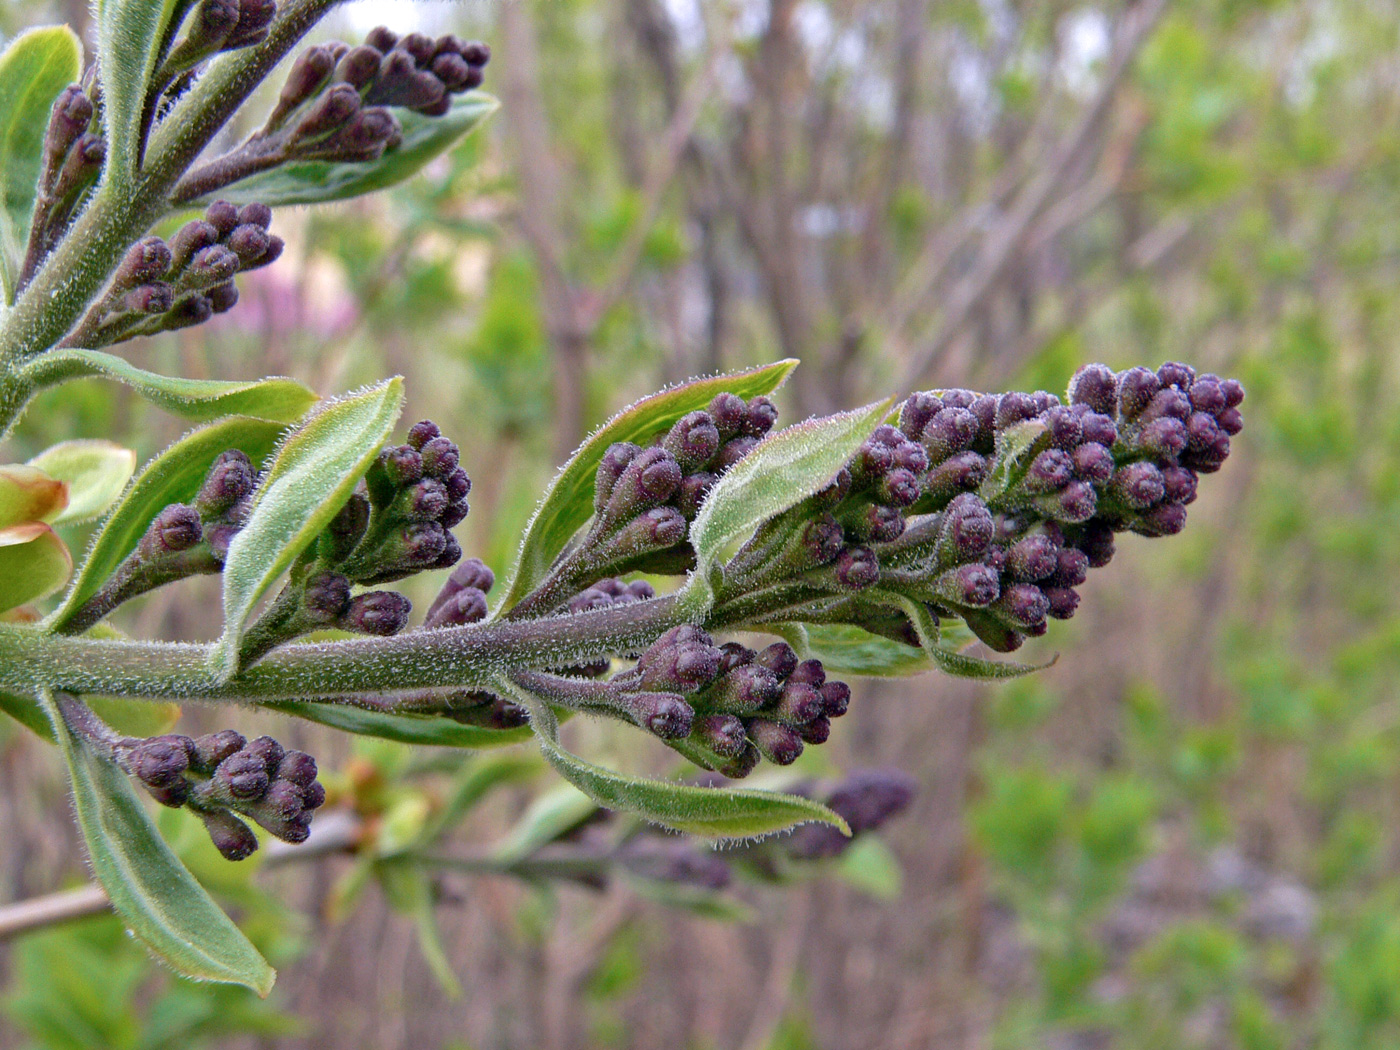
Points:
x=568, y=503
x=310, y=478
x=959, y=665
x=277, y=398
x=708, y=812
x=433, y=730
x=33, y=70
x=129, y=37
x=782, y=471
x=155, y=895
x=172, y=477
x=318, y=181
x=34, y=563
x=27, y=712
x=94, y=471
x=847, y=649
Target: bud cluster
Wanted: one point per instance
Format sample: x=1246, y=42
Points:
x=221, y=777
x=73, y=154
x=336, y=102
x=161, y=286
x=727, y=706
x=991, y=508
x=395, y=525
x=645, y=498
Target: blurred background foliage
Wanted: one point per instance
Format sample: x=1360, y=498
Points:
x=1183, y=835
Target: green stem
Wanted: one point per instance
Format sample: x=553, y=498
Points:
x=473, y=656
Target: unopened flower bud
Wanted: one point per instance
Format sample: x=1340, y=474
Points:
x=1032, y=558
x=1093, y=463
x=1063, y=601
x=244, y=776
x=1176, y=374
x=836, y=698
x=1095, y=386
x=732, y=451
x=1049, y=471
x=973, y=585
x=1138, y=485
x=465, y=606
x=694, y=489
x=759, y=417
x=1098, y=429
x=231, y=837
x=856, y=568
x=223, y=297
x=778, y=743
x=1097, y=544
x=162, y=760
x=966, y=530
x=254, y=19
x=1165, y=519
x=1022, y=604
x=377, y=612
x=1075, y=503
x=723, y=734
x=213, y=748
x=798, y=704
x=692, y=441
x=1071, y=568
x=176, y=528
x=1136, y=388
x=325, y=597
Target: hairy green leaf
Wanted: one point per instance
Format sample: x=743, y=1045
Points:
x=568, y=503
x=172, y=477
x=783, y=470
x=310, y=478
x=847, y=649
x=318, y=181
x=276, y=397
x=434, y=730
x=708, y=812
x=94, y=471
x=130, y=34
x=27, y=712
x=33, y=70
x=155, y=895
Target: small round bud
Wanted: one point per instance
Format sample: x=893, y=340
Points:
x=1032, y=558
x=729, y=413
x=213, y=748
x=899, y=488
x=325, y=597
x=693, y=440
x=778, y=658
x=402, y=465
x=440, y=457
x=1178, y=485
x=973, y=585
x=1176, y=374
x=694, y=489
x=966, y=530
x=1063, y=601
x=474, y=573
x=857, y=568
x=1138, y=485
x=176, y=528
x=267, y=750
x=1023, y=604
x=759, y=417
x=809, y=672
x=1071, y=568
x=1095, y=386
x=1049, y=471
x=465, y=606
x=1097, y=544
x=836, y=699
x=1075, y=503
x=817, y=731
x=1098, y=429
x=231, y=837
x=223, y=297
x=421, y=433
x=798, y=704
x=732, y=451
x=243, y=775
x=162, y=760
x=380, y=613
x=778, y=743
x=723, y=734
x=665, y=715
x=1136, y=388
x=297, y=767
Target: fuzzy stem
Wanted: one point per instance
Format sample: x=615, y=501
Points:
x=472, y=656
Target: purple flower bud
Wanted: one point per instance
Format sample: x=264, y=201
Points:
x=857, y=568
x=778, y=658
x=156, y=297
x=778, y=743
x=1097, y=544
x=231, y=837
x=1092, y=463
x=1099, y=429
x=878, y=524
x=872, y=460
x=948, y=432
x=1014, y=408
x=254, y=18
x=692, y=441
x=899, y=488
x=732, y=655
x=213, y=748
x=1173, y=373
x=744, y=764
x=1032, y=558
x=453, y=71
x=610, y=468
x=1136, y=388
x=694, y=489
x=964, y=471
x=145, y=261
x=451, y=550
x=256, y=214
x=248, y=242
x=1170, y=403
x=223, y=297
x=297, y=767
x=1165, y=519
x=162, y=760
x=476, y=53
x=267, y=750
x=732, y=451
x=1049, y=471
x=1074, y=503
x=1163, y=438
x=729, y=413
x=966, y=531
x=1230, y=421
x=313, y=797
x=821, y=540
x=759, y=417
x=210, y=266
x=68, y=119
x=176, y=528
x=815, y=732
x=381, y=38
x=332, y=111
x=654, y=477
x=1178, y=485
x=425, y=501
x=1202, y=432
x=744, y=689
x=359, y=66
x=798, y=704
x=973, y=585
x=656, y=529
x=1023, y=604
x=307, y=74
x=1071, y=568
x=421, y=47
x=1206, y=395
x=465, y=606
x=421, y=433
x=346, y=528
x=836, y=698
x=916, y=411
x=1138, y=485
x=440, y=458
x=325, y=597
x=474, y=573
x=1233, y=391
x=401, y=464
x=378, y=612
x=1063, y=601
x=723, y=734
x=243, y=775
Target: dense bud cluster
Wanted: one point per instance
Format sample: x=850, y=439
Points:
x=73, y=154
x=161, y=286
x=728, y=706
x=222, y=776
x=992, y=508
x=336, y=102
x=463, y=597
